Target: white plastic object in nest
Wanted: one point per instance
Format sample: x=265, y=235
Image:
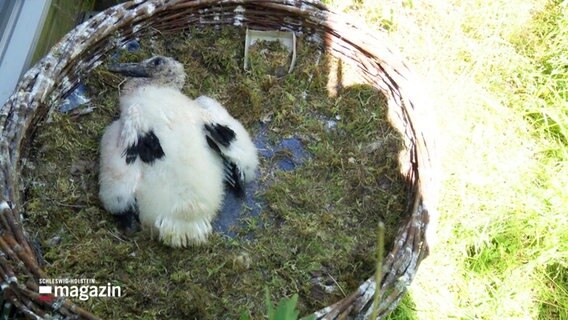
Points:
x=287, y=38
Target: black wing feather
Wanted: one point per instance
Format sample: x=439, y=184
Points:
x=148, y=148
x=222, y=135
x=131, y=153
x=233, y=177
x=129, y=219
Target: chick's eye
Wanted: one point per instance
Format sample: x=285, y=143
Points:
x=158, y=61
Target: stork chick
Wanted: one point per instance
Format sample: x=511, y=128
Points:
x=227, y=136
x=156, y=160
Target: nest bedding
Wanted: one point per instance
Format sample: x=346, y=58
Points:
x=329, y=173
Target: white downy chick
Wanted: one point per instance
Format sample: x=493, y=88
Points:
x=156, y=160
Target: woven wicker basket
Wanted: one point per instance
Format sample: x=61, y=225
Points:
x=82, y=49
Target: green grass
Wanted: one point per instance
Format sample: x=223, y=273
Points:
x=497, y=75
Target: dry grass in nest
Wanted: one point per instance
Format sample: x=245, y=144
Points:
x=313, y=228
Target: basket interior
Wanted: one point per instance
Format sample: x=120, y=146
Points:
x=329, y=173
x=84, y=49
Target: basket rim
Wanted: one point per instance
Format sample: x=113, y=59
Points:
x=81, y=50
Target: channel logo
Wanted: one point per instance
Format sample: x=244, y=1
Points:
x=76, y=289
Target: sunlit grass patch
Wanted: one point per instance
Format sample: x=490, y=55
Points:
x=497, y=77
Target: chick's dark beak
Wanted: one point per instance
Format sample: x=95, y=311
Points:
x=136, y=70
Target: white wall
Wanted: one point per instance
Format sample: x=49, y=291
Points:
x=24, y=22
